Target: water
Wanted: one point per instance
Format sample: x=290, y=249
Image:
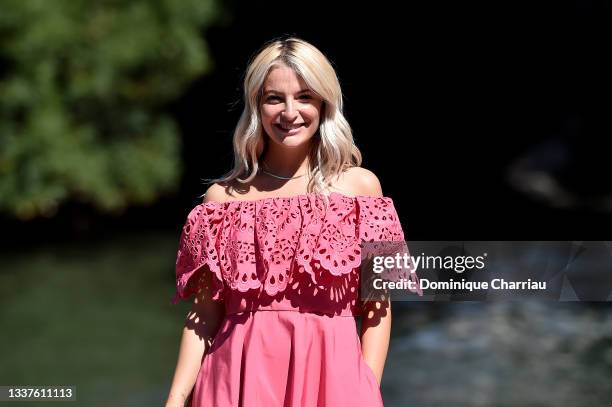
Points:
x=98, y=316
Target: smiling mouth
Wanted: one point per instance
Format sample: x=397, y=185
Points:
x=291, y=128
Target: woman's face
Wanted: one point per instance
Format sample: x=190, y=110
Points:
x=290, y=112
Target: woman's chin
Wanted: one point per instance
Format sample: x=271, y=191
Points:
x=292, y=141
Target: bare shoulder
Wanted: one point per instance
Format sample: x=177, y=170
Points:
x=361, y=181
x=216, y=193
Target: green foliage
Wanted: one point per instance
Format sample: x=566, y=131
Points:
x=73, y=314
x=83, y=85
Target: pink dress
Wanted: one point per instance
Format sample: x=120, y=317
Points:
x=287, y=270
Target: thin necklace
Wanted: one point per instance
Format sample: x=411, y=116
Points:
x=278, y=176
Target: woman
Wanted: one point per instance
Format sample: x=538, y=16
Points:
x=272, y=253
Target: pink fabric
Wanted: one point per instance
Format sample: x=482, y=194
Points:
x=287, y=270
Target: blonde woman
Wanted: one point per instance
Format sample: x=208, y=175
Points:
x=272, y=253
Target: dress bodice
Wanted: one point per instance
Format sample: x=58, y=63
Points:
x=291, y=253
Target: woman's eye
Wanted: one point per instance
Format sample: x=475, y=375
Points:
x=272, y=98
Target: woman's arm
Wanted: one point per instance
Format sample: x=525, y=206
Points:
x=375, y=334
x=376, y=318
x=201, y=326
x=202, y=323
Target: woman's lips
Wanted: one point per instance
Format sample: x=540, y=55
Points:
x=289, y=132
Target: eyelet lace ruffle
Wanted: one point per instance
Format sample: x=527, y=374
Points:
x=250, y=244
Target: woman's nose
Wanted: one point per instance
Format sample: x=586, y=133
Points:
x=290, y=113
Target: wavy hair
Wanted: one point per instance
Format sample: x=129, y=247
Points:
x=333, y=149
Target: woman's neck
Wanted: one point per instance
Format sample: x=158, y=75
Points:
x=287, y=163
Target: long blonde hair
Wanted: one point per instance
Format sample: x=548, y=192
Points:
x=333, y=150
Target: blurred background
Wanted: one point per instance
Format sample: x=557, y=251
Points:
x=483, y=121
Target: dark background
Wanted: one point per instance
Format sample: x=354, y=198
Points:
x=442, y=98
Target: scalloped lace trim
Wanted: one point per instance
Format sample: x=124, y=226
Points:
x=250, y=244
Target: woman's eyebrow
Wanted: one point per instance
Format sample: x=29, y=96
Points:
x=276, y=91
